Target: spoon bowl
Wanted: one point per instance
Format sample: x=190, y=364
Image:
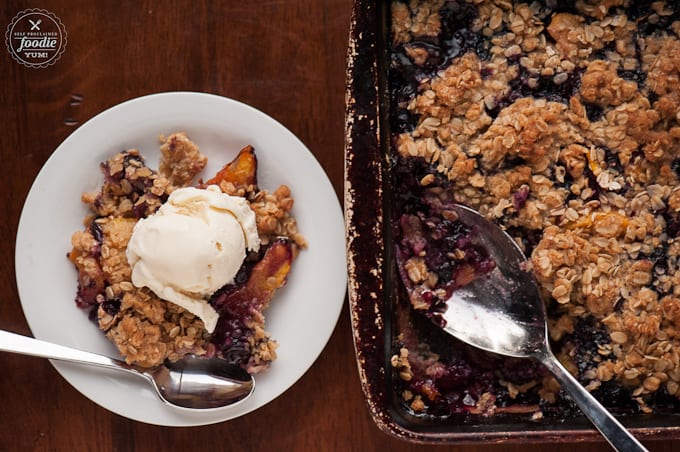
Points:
x=502, y=312
x=189, y=383
x=200, y=383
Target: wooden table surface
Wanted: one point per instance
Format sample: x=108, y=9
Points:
x=286, y=58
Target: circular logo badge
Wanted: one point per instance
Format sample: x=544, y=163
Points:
x=36, y=38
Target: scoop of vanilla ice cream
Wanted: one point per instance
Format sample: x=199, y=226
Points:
x=193, y=245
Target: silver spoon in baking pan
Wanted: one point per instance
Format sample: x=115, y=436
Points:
x=192, y=382
x=502, y=312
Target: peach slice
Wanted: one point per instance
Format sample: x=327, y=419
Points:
x=266, y=277
x=241, y=172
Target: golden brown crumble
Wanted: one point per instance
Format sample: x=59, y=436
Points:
x=272, y=212
x=181, y=160
x=416, y=19
x=124, y=194
x=602, y=189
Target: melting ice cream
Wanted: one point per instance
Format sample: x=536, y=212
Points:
x=193, y=245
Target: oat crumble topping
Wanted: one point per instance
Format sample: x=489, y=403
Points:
x=562, y=124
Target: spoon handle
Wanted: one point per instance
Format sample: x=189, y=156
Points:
x=16, y=343
x=612, y=430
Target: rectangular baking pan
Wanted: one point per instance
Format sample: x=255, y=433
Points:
x=372, y=277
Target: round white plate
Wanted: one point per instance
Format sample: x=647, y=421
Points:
x=302, y=315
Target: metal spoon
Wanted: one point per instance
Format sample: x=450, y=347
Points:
x=192, y=382
x=503, y=312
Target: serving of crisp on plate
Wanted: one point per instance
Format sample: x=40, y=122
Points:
x=220, y=127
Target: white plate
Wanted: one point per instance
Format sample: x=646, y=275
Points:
x=303, y=314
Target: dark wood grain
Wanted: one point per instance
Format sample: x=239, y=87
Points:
x=286, y=58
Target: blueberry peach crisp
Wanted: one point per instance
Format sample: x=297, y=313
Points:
x=559, y=121
x=146, y=328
